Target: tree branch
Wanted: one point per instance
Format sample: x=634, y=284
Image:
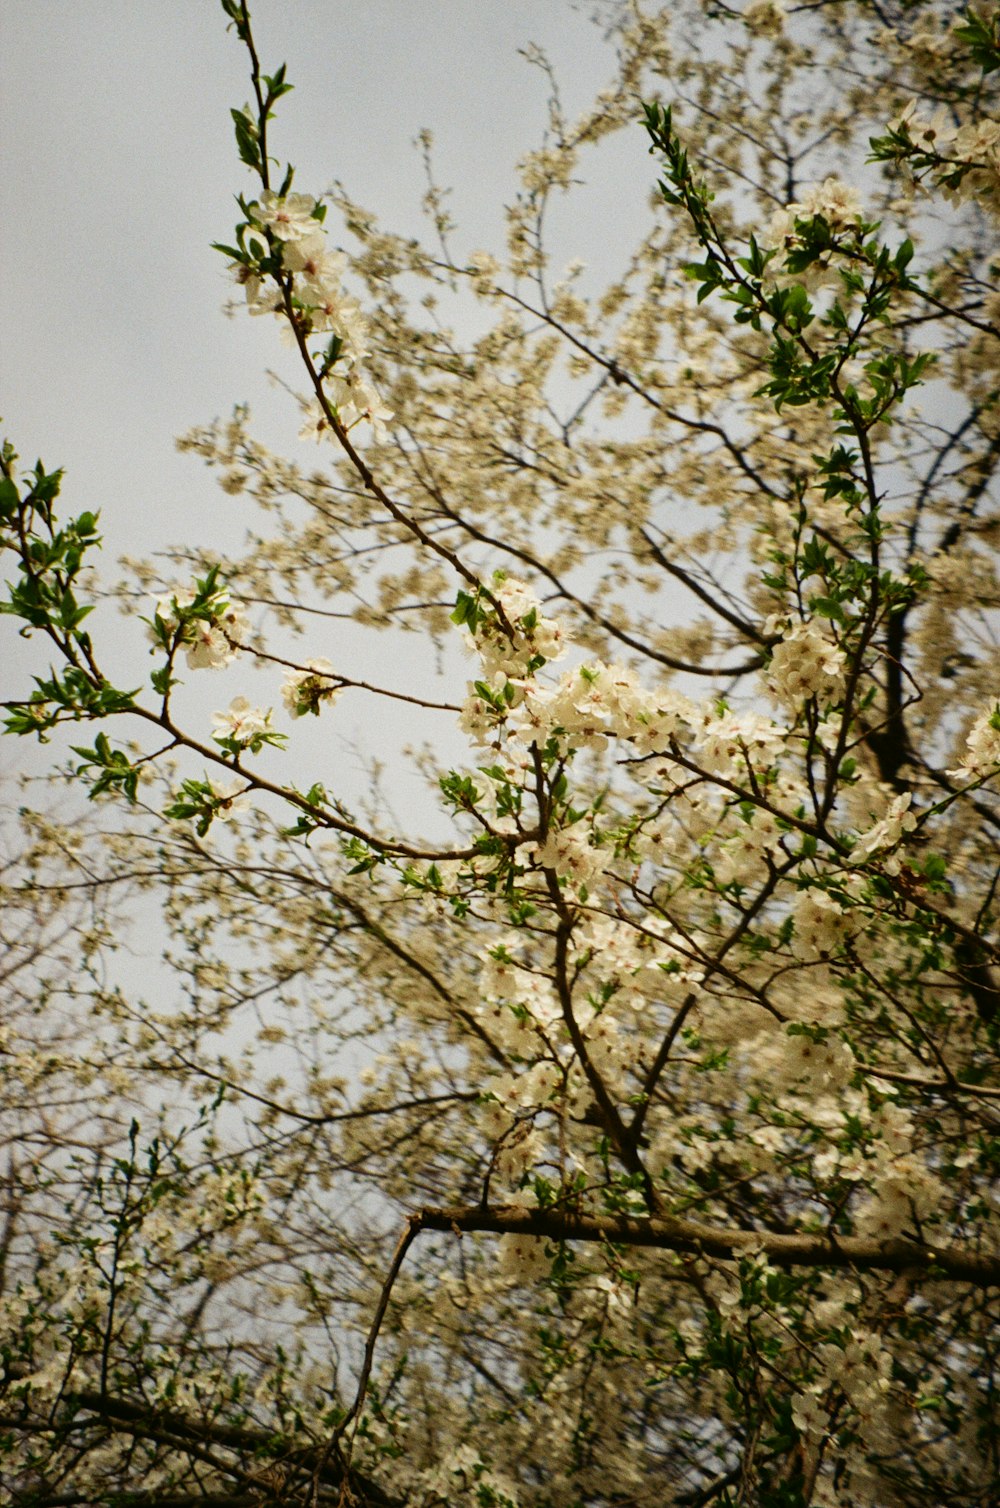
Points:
x=691, y=1236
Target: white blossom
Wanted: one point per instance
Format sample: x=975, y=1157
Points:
x=242, y=722
x=982, y=747
x=572, y=856
x=523, y=1259
x=765, y=17
x=806, y=663
x=886, y=833
x=289, y=218
x=306, y=688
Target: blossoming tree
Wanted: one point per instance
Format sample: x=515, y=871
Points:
x=628, y=1132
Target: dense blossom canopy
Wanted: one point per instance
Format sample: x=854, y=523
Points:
x=625, y=1129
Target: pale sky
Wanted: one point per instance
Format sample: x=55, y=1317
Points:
x=120, y=169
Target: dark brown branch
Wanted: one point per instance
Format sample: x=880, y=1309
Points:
x=818, y=1249
x=181, y=1432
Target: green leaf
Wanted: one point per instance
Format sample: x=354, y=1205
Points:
x=10, y=498
x=983, y=38
x=467, y=612
x=47, y=484
x=247, y=138
x=116, y=769
x=827, y=607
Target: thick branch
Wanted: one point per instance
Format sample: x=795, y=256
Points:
x=181, y=1431
x=692, y=1236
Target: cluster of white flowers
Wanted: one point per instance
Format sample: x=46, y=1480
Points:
x=582, y=710
x=485, y=271
x=227, y=1195
x=862, y=1369
x=523, y=1259
x=210, y=641
x=609, y=1049
x=741, y=856
x=806, y=663
x=353, y=398
x=231, y=799
x=518, y=1090
x=517, y=1153
x=837, y=202
x=462, y=1476
x=534, y=636
x=886, y=833
x=316, y=272
x=572, y=856
x=821, y=924
x=974, y=147
x=982, y=747
x=517, y=1006
x=903, y=1193
x=797, y=1062
x=639, y=965
x=306, y=689
x=765, y=17
x=242, y=722
x=731, y=743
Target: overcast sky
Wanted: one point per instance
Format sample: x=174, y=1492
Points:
x=120, y=170
x=120, y=167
